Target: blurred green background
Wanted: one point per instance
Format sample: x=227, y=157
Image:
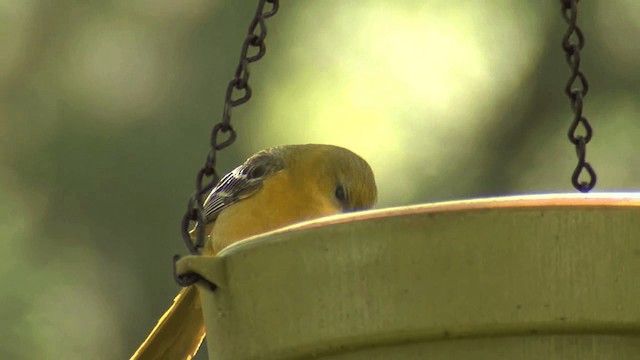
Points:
x=106, y=108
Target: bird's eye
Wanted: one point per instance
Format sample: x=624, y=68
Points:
x=341, y=194
x=257, y=171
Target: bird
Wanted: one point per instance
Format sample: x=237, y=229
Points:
x=275, y=187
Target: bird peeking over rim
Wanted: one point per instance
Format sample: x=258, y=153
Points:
x=274, y=188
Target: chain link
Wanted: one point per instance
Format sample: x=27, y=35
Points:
x=580, y=131
x=223, y=135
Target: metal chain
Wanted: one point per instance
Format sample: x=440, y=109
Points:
x=223, y=134
x=576, y=89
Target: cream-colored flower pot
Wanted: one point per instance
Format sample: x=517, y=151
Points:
x=538, y=277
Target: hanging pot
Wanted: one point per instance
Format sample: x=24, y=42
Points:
x=534, y=277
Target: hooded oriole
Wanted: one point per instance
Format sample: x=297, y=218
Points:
x=273, y=188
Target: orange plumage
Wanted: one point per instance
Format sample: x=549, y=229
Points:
x=274, y=188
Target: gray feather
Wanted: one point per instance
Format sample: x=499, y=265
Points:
x=241, y=183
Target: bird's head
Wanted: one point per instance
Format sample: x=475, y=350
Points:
x=337, y=173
